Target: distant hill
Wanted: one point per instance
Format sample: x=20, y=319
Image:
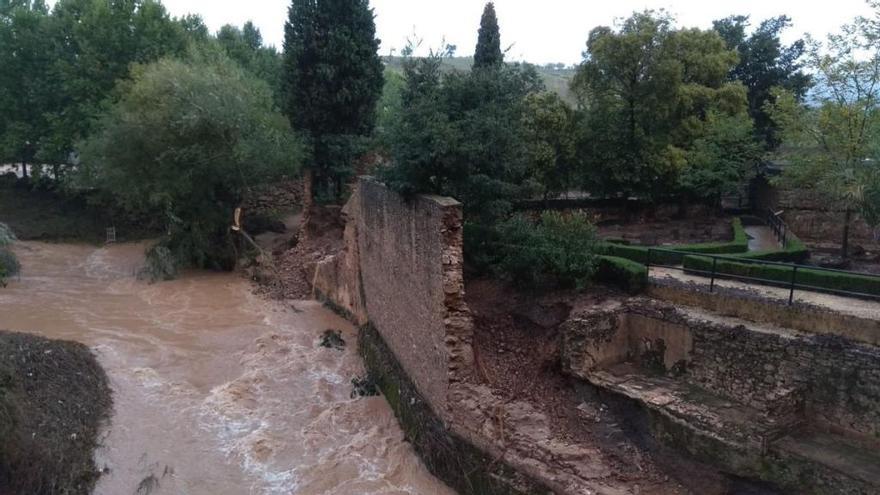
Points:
x=556, y=76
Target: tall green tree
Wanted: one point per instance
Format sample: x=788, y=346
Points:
x=185, y=141
x=95, y=43
x=488, y=52
x=245, y=46
x=765, y=63
x=25, y=80
x=332, y=80
x=832, y=145
x=648, y=89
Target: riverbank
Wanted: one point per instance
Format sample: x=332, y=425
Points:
x=45, y=215
x=54, y=397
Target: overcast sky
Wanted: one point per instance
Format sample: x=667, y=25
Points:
x=540, y=31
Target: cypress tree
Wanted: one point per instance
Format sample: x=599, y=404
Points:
x=332, y=80
x=488, y=52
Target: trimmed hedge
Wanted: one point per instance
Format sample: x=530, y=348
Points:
x=622, y=273
x=739, y=244
x=818, y=279
x=795, y=251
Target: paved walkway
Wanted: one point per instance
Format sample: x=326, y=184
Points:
x=860, y=308
x=761, y=238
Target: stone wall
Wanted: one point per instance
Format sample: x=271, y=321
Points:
x=830, y=380
x=810, y=217
x=281, y=196
x=411, y=271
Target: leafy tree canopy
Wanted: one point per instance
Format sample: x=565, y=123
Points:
x=185, y=140
x=648, y=90
x=764, y=64
x=831, y=146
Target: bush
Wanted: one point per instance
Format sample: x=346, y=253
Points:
x=7, y=237
x=160, y=265
x=625, y=274
x=559, y=249
x=818, y=279
x=795, y=251
x=739, y=244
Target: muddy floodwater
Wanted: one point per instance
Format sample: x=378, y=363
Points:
x=216, y=391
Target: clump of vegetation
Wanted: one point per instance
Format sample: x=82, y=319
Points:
x=159, y=265
x=186, y=140
x=53, y=397
x=364, y=386
x=332, y=339
x=559, y=249
x=9, y=265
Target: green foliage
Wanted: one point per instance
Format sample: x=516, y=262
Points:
x=548, y=130
x=461, y=135
x=560, y=248
x=831, y=146
x=795, y=251
x=332, y=80
x=7, y=237
x=184, y=141
x=648, y=90
x=627, y=275
x=815, y=279
x=639, y=254
x=160, y=265
x=488, y=52
x=245, y=46
x=720, y=158
x=765, y=64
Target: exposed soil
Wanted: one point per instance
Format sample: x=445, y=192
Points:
x=53, y=397
x=286, y=275
x=516, y=348
x=653, y=232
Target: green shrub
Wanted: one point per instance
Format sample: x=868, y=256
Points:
x=795, y=251
x=625, y=274
x=818, y=279
x=160, y=265
x=7, y=237
x=559, y=249
x=739, y=244
x=9, y=265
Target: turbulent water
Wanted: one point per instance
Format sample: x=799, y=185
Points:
x=216, y=391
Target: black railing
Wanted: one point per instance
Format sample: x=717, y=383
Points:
x=777, y=225
x=792, y=284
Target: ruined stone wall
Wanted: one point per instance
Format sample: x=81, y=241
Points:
x=826, y=378
x=411, y=271
x=810, y=217
x=282, y=196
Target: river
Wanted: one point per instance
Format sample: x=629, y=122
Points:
x=216, y=391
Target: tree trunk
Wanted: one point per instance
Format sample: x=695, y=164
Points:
x=844, y=245
x=24, y=173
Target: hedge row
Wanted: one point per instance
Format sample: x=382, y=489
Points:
x=795, y=251
x=622, y=273
x=739, y=244
x=819, y=279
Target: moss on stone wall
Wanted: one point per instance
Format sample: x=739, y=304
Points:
x=447, y=455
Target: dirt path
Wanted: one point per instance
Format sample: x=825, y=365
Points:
x=216, y=390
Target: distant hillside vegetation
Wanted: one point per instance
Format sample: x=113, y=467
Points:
x=557, y=77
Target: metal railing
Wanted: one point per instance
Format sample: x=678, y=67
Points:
x=792, y=284
x=777, y=225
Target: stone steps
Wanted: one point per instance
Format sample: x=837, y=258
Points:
x=837, y=455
